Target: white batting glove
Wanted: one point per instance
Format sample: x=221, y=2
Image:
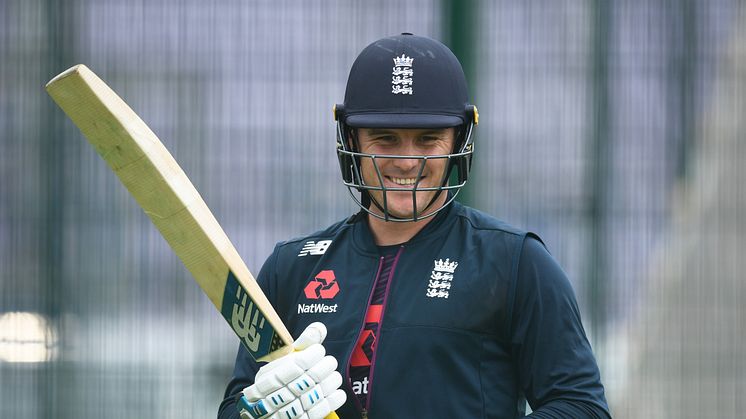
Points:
x=303, y=384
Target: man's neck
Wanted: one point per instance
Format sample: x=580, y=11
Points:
x=388, y=233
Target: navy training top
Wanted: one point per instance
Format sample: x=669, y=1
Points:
x=477, y=319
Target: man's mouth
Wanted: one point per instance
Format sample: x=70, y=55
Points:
x=408, y=181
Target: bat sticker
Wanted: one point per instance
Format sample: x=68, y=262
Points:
x=245, y=318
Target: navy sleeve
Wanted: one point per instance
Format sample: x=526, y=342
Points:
x=553, y=360
x=245, y=368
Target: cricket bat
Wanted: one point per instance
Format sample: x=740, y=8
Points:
x=167, y=196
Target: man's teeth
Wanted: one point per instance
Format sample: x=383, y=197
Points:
x=403, y=181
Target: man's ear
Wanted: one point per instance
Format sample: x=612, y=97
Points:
x=457, y=140
x=352, y=140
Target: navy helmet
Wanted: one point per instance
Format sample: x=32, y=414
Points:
x=405, y=81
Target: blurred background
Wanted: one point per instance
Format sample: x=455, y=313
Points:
x=612, y=129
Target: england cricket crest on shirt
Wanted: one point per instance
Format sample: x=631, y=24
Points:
x=401, y=76
x=439, y=284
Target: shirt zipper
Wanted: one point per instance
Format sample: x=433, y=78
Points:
x=359, y=333
x=364, y=410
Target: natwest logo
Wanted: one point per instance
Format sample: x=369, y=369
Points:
x=324, y=286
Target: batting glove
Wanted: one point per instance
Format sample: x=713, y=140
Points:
x=303, y=384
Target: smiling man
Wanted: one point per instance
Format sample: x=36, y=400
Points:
x=433, y=309
x=402, y=187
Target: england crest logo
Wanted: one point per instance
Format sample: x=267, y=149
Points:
x=401, y=76
x=439, y=284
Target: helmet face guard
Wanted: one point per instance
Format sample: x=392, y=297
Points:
x=350, y=162
x=405, y=82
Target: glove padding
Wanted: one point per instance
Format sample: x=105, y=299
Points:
x=303, y=384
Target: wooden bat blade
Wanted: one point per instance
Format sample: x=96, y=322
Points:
x=164, y=192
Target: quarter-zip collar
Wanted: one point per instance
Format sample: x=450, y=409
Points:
x=363, y=238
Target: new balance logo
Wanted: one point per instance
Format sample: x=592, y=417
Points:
x=314, y=248
x=247, y=321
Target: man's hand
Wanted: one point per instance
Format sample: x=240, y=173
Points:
x=303, y=384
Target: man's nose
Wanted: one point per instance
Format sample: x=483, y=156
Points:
x=408, y=165
x=408, y=149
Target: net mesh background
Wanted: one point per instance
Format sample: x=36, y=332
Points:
x=613, y=130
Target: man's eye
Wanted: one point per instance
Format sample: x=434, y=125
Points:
x=428, y=139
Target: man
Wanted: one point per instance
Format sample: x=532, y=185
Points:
x=433, y=309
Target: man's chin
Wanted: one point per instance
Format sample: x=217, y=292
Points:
x=403, y=212
x=399, y=205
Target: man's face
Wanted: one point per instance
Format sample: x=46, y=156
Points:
x=402, y=173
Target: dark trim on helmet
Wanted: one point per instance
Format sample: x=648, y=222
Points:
x=403, y=120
